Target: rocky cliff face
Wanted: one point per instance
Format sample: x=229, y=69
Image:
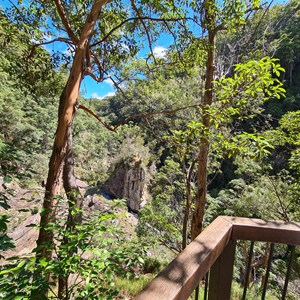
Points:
x=127, y=182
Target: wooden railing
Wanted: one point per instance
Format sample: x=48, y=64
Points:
x=214, y=250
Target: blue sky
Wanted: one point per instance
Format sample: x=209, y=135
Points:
x=89, y=87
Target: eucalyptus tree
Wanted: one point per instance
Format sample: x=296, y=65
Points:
x=101, y=36
x=221, y=100
x=214, y=18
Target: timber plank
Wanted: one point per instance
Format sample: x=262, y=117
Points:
x=265, y=231
x=182, y=275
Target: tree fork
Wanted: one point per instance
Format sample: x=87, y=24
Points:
x=75, y=202
x=66, y=111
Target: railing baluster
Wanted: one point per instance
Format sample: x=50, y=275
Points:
x=265, y=283
x=288, y=272
x=214, y=250
x=206, y=286
x=248, y=270
x=197, y=292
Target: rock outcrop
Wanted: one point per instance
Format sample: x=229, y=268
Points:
x=128, y=182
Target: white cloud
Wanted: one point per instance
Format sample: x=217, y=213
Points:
x=159, y=52
x=109, y=94
x=96, y=96
x=109, y=82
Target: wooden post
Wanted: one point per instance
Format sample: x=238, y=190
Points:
x=221, y=274
x=214, y=250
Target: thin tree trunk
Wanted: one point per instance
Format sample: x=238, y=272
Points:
x=45, y=242
x=187, y=209
x=75, y=202
x=65, y=114
x=198, y=214
x=186, y=217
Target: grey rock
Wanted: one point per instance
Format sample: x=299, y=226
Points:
x=128, y=182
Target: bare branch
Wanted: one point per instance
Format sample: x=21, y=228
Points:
x=88, y=110
x=145, y=27
x=99, y=65
x=283, y=212
x=173, y=249
x=137, y=19
x=88, y=71
x=59, y=39
x=63, y=16
x=117, y=86
x=132, y=117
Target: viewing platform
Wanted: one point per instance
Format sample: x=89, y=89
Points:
x=211, y=255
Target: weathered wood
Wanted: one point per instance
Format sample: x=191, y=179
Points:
x=181, y=276
x=221, y=274
x=265, y=231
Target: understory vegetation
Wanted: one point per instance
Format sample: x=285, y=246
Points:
x=165, y=114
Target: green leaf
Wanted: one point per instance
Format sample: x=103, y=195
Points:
x=141, y=260
x=7, y=179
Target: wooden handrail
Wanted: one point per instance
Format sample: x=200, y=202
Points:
x=182, y=275
x=265, y=231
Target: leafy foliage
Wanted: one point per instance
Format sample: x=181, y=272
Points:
x=252, y=172
x=98, y=256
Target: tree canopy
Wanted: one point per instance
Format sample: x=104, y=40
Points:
x=214, y=124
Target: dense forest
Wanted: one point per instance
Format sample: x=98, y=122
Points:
x=98, y=195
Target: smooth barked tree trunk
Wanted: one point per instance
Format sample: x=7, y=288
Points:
x=67, y=106
x=75, y=201
x=66, y=111
x=65, y=114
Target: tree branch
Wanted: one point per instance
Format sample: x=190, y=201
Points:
x=88, y=71
x=99, y=65
x=137, y=19
x=174, y=250
x=20, y=13
x=176, y=46
x=260, y=21
x=132, y=117
x=145, y=27
x=88, y=110
x=63, y=16
x=101, y=78
x=59, y=39
x=283, y=213
x=117, y=86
